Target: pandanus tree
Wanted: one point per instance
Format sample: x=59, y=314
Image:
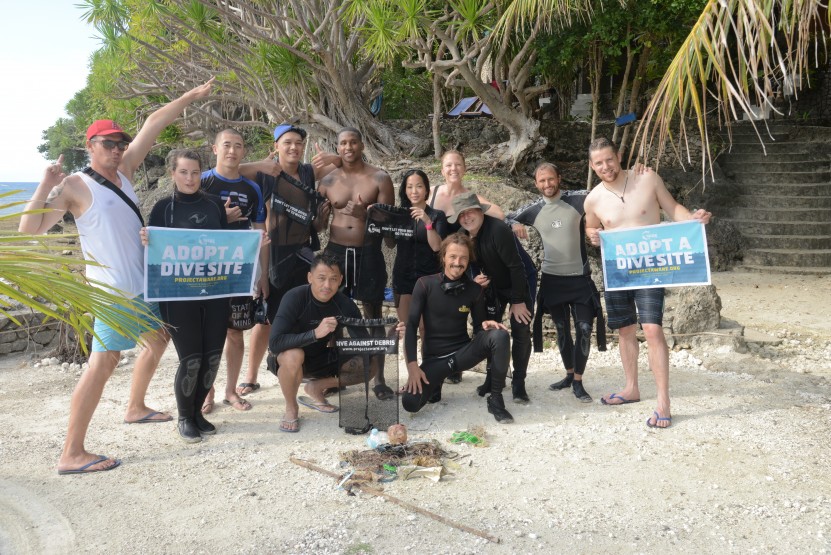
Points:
x=302, y=61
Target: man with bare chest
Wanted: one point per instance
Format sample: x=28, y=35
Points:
x=625, y=199
x=350, y=190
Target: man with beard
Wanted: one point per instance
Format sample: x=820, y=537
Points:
x=501, y=272
x=625, y=199
x=566, y=289
x=350, y=189
x=444, y=302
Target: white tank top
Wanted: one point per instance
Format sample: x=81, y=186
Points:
x=109, y=232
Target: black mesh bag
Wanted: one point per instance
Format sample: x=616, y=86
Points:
x=367, y=351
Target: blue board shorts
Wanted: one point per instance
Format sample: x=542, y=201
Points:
x=626, y=308
x=110, y=340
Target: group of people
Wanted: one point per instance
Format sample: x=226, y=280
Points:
x=463, y=260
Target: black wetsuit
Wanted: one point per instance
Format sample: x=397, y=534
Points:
x=293, y=206
x=416, y=258
x=567, y=289
x=293, y=328
x=445, y=306
x=198, y=326
x=497, y=257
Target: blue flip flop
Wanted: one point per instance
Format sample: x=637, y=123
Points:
x=86, y=470
x=321, y=407
x=623, y=400
x=658, y=418
x=148, y=418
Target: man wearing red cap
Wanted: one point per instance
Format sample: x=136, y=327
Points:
x=99, y=199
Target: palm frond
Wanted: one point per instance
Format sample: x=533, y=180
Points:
x=735, y=57
x=34, y=274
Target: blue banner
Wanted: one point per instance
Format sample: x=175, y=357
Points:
x=186, y=264
x=663, y=255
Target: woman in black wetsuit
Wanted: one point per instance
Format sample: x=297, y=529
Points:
x=419, y=256
x=197, y=326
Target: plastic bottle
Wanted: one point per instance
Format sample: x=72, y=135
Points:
x=376, y=438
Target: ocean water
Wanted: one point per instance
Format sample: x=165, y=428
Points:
x=25, y=191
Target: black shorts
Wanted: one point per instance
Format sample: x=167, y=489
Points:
x=364, y=271
x=299, y=276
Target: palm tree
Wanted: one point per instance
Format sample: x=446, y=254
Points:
x=737, y=55
x=34, y=273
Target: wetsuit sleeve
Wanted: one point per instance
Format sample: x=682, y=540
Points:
x=525, y=215
x=478, y=310
x=157, y=218
x=440, y=224
x=290, y=311
x=417, y=304
x=505, y=246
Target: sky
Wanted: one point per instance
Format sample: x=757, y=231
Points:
x=44, y=60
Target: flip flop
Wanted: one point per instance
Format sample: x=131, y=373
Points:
x=314, y=405
x=252, y=386
x=208, y=406
x=243, y=404
x=86, y=468
x=383, y=392
x=285, y=428
x=623, y=400
x=148, y=418
x=658, y=418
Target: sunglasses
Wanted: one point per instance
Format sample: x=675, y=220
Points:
x=110, y=144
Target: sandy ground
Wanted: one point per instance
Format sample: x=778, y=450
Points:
x=743, y=469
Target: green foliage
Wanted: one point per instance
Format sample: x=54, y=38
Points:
x=663, y=25
x=408, y=93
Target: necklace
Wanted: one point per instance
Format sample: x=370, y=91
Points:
x=620, y=196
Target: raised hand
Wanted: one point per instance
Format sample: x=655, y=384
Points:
x=54, y=173
x=323, y=158
x=201, y=91
x=233, y=213
x=418, y=214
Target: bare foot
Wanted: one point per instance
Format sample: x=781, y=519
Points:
x=315, y=391
x=146, y=415
x=239, y=403
x=622, y=398
x=659, y=421
x=85, y=463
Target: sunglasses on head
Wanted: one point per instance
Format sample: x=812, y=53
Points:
x=109, y=144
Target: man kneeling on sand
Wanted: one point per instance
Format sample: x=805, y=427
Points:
x=302, y=338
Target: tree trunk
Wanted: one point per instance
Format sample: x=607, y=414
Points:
x=596, y=64
x=437, y=113
x=640, y=75
x=630, y=56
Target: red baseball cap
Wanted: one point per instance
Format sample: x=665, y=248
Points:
x=106, y=127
